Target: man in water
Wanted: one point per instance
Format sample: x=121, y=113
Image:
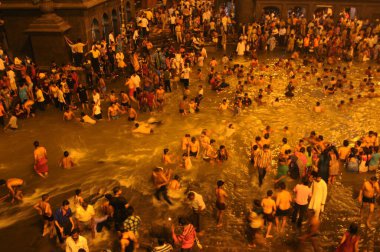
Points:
x=66, y=162
x=44, y=209
x=269, y=210
x=63, y=220
x=303, y=193
x=194, y=149
x=40, y=160
x=114, y=111
x=76, y=242
x=221, y=196
x=161, y=179
x=283, y=201
x=198, y=206
x=367, y=197
x=120, y=205
x=319, y=194
x=14, y=187
x=264, y=160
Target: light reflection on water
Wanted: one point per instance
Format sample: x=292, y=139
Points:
x=108, y=154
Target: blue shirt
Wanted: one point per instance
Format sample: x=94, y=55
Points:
x=62, y=219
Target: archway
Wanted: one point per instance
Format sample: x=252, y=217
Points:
x=106, y=26
x=272, y=11
x=297, y=11
x=95, y=32
x=115, y=22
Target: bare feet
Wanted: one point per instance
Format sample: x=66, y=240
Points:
x=268, y=236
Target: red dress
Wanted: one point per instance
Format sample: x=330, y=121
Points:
x=349, y=244
x=41, y=166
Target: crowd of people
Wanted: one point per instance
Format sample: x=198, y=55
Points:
x=79, y=91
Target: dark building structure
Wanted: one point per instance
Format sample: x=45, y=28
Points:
x=33, y=25
x=246, y=10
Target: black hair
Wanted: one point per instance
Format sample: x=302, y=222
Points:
x=282, y=186
x=36, y=143
x=353, y=229
x=161, y=241
x=65, y=202
x=269, y=193
x=2, y=182
x=346, y=143
x=78, y=191
x=129, y=211
x=75, y=231
x=116, y=189
x=220, y=183
x=66, y=153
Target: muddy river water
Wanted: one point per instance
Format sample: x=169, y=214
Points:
x=108, y=154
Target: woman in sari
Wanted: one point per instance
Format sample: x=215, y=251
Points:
x=40, y=160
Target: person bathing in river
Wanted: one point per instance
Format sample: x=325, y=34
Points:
x=193, y=148
x=40, y=160
x=161, y=179
x=221, y=196
x=44, y=209
x=167, y=158
x=14, y=188
x=66, y=162
x=367, y=197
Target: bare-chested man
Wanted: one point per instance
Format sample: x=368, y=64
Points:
x=269, y=210
x=185, y=142
x=160, y=94
x=283, y=201
x=193, y=149
x=318, y=108
x=114, y=111
x=68, y=115
x=14, y=187
x=161, y=179
x=367, y=196
x=44, y=209
x=132, y=114
x=66, y=162
x=221, y=196
x=167, y=158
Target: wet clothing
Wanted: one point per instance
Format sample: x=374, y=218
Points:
x=118, y=204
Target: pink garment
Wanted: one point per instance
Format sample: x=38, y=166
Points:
x=302, y=194
x=187, y=238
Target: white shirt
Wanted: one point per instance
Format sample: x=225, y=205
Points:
x=72, y=246
x=144, y=22
x=198, y=203
x=96, y=98
x=136, y=80
x=85, y=215
x=13, y=122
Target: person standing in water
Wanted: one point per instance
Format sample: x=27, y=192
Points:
x=264, y=160
x=161, y=179
x=319, y=194
x=40, y=160
x=44, y=209
x=66, y=162
x=269, y=210
x=283, y=202
x=221, y=196
x=367, y=197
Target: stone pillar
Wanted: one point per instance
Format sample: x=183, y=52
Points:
x=47, y=36
x=245, y=11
